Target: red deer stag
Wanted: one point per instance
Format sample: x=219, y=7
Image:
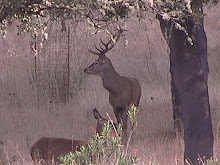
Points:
x=47, y=149
x=123, y=91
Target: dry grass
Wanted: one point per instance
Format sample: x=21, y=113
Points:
x=27, y=113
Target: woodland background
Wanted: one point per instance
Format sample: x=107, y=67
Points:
x=33, y=87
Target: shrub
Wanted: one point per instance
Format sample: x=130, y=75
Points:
x=105, y=148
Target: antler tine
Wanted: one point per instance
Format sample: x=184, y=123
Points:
x=93, y=52
x=98, y=49
x=98, y=52
x=106, y=45
x=101, y=50
x=106, y=49
x=117, y=34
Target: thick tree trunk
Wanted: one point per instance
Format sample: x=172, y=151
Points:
x=189, y=71
x=177, y=111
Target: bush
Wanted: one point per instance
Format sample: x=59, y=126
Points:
x=105, y=148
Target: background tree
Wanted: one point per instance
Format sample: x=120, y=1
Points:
x=189, y=71
x=182, y=26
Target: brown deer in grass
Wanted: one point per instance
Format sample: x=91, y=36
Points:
x=123, y=91
x=47, y=149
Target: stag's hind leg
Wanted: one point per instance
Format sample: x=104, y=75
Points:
x=125, y=127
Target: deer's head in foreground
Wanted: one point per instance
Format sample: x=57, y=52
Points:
x=102, y=121
x=123, y=91
x=47, y=149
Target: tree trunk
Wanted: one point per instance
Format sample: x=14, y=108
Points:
x=177, y=111
x=189, y=72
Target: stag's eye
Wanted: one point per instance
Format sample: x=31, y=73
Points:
x=95, y=63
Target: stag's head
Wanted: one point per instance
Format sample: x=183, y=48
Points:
x=99, y=67
x=102, y=64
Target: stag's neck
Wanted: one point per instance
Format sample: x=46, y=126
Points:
x=111, y=80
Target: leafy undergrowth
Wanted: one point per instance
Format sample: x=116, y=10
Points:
x=106, y=148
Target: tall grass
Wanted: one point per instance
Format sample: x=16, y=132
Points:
x=32, y=105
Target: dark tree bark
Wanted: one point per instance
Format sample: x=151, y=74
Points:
x=177, y=111
x=189, y=72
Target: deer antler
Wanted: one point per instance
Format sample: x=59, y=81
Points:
x=107, y=46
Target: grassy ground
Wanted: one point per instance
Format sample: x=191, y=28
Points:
x=29, y=110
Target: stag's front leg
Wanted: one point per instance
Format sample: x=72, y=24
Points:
x=121, y=116
x=125, y=127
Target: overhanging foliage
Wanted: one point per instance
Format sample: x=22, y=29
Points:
x=36, y=14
